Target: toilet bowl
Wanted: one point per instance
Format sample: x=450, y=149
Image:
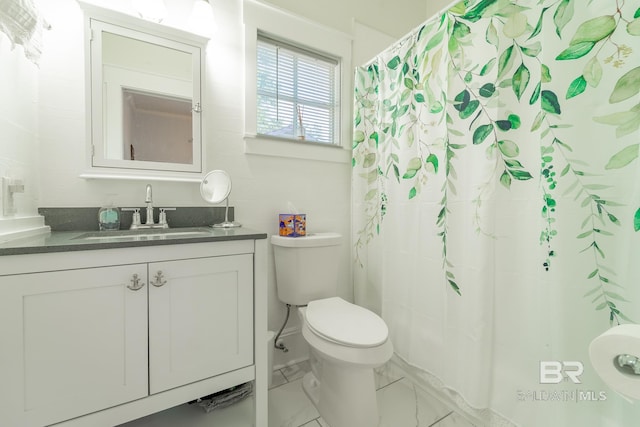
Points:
x=346, y=343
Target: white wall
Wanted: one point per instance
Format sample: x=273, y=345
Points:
x=436, y=6
x=18, y=124
x=393, y=17
x=262, y=186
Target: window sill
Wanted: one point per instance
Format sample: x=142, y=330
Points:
x=275, y=147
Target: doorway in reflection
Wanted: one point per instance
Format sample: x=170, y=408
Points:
x=156, y=128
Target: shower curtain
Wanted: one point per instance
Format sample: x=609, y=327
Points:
x=496, y=202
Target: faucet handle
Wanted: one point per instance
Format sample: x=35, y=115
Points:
x=162, y=220
x=135, y=219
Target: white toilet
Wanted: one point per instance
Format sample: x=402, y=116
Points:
x=346, y=341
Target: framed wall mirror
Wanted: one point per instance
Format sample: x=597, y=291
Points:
x=144, y=89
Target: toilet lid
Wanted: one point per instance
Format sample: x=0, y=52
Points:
x=348, y=324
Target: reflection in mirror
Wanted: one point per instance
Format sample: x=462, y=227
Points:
x=156, y=128
x=214, y=188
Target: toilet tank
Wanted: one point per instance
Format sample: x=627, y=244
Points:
x=306, y=267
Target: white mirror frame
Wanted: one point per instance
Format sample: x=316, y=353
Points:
x=98, y=165
x=215, y=188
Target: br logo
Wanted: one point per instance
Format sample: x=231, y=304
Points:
x=554, y=372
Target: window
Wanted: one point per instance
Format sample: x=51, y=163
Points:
x=295, y=65
x=297, y=92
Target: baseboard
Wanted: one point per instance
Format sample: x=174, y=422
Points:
x=297, y=348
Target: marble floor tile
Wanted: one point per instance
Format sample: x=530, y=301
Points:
x=387, y=374
x=293, y=372
x=401, y=404
x=454, y=420
x=238, y=415
x=289, y=406
x=322, y=422
x=278, y=379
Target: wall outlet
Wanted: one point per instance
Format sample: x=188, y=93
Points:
x=9, y=187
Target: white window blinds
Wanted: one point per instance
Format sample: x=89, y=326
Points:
x=297, y=93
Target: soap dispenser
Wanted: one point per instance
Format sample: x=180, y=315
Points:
x=109, y=218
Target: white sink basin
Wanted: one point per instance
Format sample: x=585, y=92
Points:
x=145, y=234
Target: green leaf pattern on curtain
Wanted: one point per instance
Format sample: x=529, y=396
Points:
x=491, y=51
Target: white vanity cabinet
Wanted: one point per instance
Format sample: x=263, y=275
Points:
x=200, y=319
x=105, y=336
x=73, y=342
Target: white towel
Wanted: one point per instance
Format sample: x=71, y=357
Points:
x=23, y=24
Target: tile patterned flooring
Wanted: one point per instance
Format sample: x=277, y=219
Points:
x=401, y=404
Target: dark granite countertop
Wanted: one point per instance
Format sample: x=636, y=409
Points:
x=68, y=241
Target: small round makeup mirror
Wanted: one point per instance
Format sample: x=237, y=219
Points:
x=215, y=188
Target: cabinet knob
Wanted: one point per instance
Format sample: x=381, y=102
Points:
x=158, y=280
x=136, y=284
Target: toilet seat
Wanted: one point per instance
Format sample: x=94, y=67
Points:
x=341, y=322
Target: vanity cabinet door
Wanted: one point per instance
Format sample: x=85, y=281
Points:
x=200, y=319
x=73, y=342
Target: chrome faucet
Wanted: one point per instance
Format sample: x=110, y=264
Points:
x=149, y=202
x=149, y=223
